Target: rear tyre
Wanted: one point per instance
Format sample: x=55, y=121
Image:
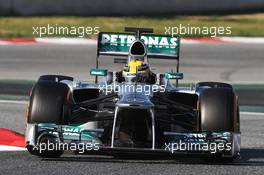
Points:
x=54, y=78
x=213, y=85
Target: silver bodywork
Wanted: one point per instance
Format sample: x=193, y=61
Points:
x=133, y=100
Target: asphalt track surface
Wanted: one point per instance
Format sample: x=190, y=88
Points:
x=227, y=62
x=20, y=162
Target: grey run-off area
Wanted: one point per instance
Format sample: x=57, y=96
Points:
x=228, y=62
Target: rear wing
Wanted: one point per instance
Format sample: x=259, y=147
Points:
x=158, y=46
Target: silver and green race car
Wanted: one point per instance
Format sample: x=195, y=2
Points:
x=117, y=115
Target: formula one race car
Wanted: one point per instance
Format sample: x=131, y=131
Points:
x=133, y=110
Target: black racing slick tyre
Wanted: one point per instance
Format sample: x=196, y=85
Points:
x=219, y=113
x=213, y=85
x=218, y=110
x=54, y=78
x=48, y=103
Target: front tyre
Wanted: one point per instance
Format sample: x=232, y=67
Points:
x=48, y=104
x=219, y=113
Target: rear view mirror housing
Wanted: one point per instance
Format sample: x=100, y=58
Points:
x=98, y=72
x=174, y=75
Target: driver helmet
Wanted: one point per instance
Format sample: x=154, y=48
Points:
x=136, y=67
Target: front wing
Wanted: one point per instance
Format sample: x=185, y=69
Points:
x=82, y=140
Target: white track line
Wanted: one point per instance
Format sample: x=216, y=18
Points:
x=253, y=40
x=70, y=41
x=11, y=148
x=4, y=43
x=14, y=101
x=252, y=113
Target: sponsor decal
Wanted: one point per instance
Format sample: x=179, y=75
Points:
x=150, y=41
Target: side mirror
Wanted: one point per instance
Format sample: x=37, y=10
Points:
x=173, y=75
x=98, y=72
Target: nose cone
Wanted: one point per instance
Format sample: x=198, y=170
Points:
x=132, y=100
